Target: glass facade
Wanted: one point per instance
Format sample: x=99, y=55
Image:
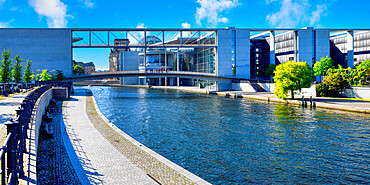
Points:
x=260, y=58
x=233, y=51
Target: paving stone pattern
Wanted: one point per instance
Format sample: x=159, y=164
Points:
x=95, y=160
x=151, y=165
x=53, y=163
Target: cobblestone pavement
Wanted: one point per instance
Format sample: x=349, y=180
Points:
x=53, y=163
x=95, y=160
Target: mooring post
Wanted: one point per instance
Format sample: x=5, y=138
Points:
x=11, y=127
x=302, y=100
x=311, y=101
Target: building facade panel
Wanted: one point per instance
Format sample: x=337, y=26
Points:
x=49, y=49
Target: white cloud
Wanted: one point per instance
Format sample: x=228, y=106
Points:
x=6, y=24
x=136, y=36
x=55, y=12
x=211, y=10
x=185, y=25
x=88, y=3
x=316, y=15
x=2, y=2
x=185, y=33
x=295, y=13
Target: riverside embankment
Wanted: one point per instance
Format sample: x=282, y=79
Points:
x=238, y=140
x=321, y=102
x=102, y=153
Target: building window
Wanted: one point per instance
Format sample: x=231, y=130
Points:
x=233, y=52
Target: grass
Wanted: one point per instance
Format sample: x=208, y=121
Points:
x=357, y=99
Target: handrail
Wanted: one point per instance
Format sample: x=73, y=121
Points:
x=14, y=145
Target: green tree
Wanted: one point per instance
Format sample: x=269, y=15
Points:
x=291, y=76
x=5, y=71
x=335, y=81
x=44, y=76
x=321, y=68
x=34, y=76
x=17, y=69
x=270, y=70
x=77, y=69
x=360, y=72
x=27, y=72
x=59, y=75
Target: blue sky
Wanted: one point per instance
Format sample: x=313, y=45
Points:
x=177, y=14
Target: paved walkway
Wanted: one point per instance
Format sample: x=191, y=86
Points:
x=332, y=103
x=8, y=107
x=95, y=160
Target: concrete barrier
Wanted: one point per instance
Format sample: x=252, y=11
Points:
x=60, y=93
x=39, y=111
x=356, y=92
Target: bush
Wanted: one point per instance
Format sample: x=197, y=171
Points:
x=336, y=81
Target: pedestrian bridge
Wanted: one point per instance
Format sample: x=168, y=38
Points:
x=180, y=74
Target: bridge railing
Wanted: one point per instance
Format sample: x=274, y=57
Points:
x=14, y=145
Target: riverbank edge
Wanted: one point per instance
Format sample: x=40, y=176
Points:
x=169, y=165
x=256, y=97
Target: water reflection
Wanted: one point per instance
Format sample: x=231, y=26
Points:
x=240, y=141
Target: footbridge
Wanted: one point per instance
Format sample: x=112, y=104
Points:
x=179, y=74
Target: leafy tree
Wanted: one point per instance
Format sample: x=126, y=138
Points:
x=291, y=76
x=17, y=69
x=5, y=71
x=360, y=72
x=335, y=81
x=44, y=76
x=27, y=72
x=77, y=69
x=34, y=77
x=270, y=70
x=59, y=75
x=322, y=67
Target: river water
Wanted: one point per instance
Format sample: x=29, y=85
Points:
x=241, y=141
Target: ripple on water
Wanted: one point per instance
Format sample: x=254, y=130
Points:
x=241, y=141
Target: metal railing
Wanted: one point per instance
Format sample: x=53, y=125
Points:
x=14, y=145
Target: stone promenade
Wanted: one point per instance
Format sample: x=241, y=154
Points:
x=8, y=107
x=95, y=160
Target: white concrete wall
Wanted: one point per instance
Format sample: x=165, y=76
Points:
x=356, y=92
x=129, y=61
x=49, y=49
x=269, y=87
x=40, y=107
x=243, y=64
x=247, y=87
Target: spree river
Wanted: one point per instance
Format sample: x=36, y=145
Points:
x=241, y=141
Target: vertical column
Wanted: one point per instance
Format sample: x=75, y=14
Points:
x=178, y=65
x=295, y=45
x=272, y=47
x=243, y=64
x=350, y=49
x=165, y=65
x=145, y=79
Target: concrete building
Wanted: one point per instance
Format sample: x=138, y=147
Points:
x=229, y=52
x=88, y=67
x=348, y=48
x=48, y=48
x=114, y=56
